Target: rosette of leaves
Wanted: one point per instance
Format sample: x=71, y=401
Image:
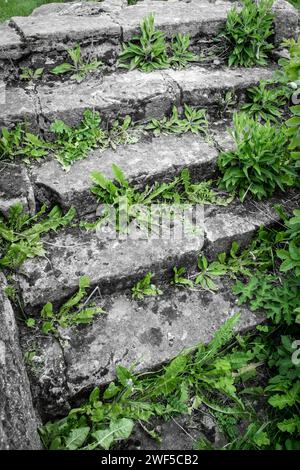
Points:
x=261, y=161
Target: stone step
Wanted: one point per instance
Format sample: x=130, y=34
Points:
x=145, y=162
x=101, y=27
x=140, y=95
x=114, y=263
x=144, y=333
x=18, y=420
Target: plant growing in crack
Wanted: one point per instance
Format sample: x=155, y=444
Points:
x=73, y=312
x=150, y=51
x=193, y=120
x=144, y=287
x=30, y=74
x=79, y=67
x=20, y=233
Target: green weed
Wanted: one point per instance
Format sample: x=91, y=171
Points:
x=261, y=162
x=247, y=33
x=266, y=101
x=79, y=68
x=144, y=287
x=20, y=233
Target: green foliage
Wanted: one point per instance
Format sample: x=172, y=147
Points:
x=144, y=287
x=208, y=271
x=293, y=133
x=194, y=120
x=290, y=71
x=260, y=163
x=146, y=52
x=215, y=376
x=20, y=233
x=128, y=201
x=266, y=101
x=73, y=312
x=110, y=415
x=181, y=55
x=31, y=74
x=179, y=278
x=150, y=51
x=79, y=68
x=73, y=144
x=247, y=33
x=18, y=143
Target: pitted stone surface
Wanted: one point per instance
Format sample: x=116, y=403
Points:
x=43, y=33
x=11, y=45
x=145, y=333
x=287, y=21
x=18, y=422
x=239, y=221
x=141, y=95
x=114, y=264
x=15, y=187
x=19, y=106
x=110, y=263
x=195, y=19
x=137, y=94
x=142, y=163
x=203, y=87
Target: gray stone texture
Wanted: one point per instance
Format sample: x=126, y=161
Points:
x=143, y=96
x=18, y=421
x=146, y=333
x=104, y=25
x=142, y=163
x=115, y=264
x=15, y=187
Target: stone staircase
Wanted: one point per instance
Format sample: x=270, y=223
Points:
x=145, y=332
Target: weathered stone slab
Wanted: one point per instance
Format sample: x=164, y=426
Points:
x=115, y=263
x=240, y=221
x=287, y=21
x=11, y=45
x=143, y=96
x=195, y=19
x=142, y=163
x=15, y=187
x=145, y=333
x=18, y=422
x=19, y=106
x=205, y=87
x=135, y=93
x=110, y=262
x=56, y=31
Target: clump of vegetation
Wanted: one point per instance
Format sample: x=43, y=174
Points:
x=31, y=74
x=222, y=375
x=20, y=233
x=144, y=287
x=20, y=143
x=261, y=161
x=146, y=52
x=74, y=144
x=181, y=55
x=150, y=51
x=247, y=32
x=73, y=312
x=267, y=101
x=194, y=120
x=123, y=197
x=79, y=67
